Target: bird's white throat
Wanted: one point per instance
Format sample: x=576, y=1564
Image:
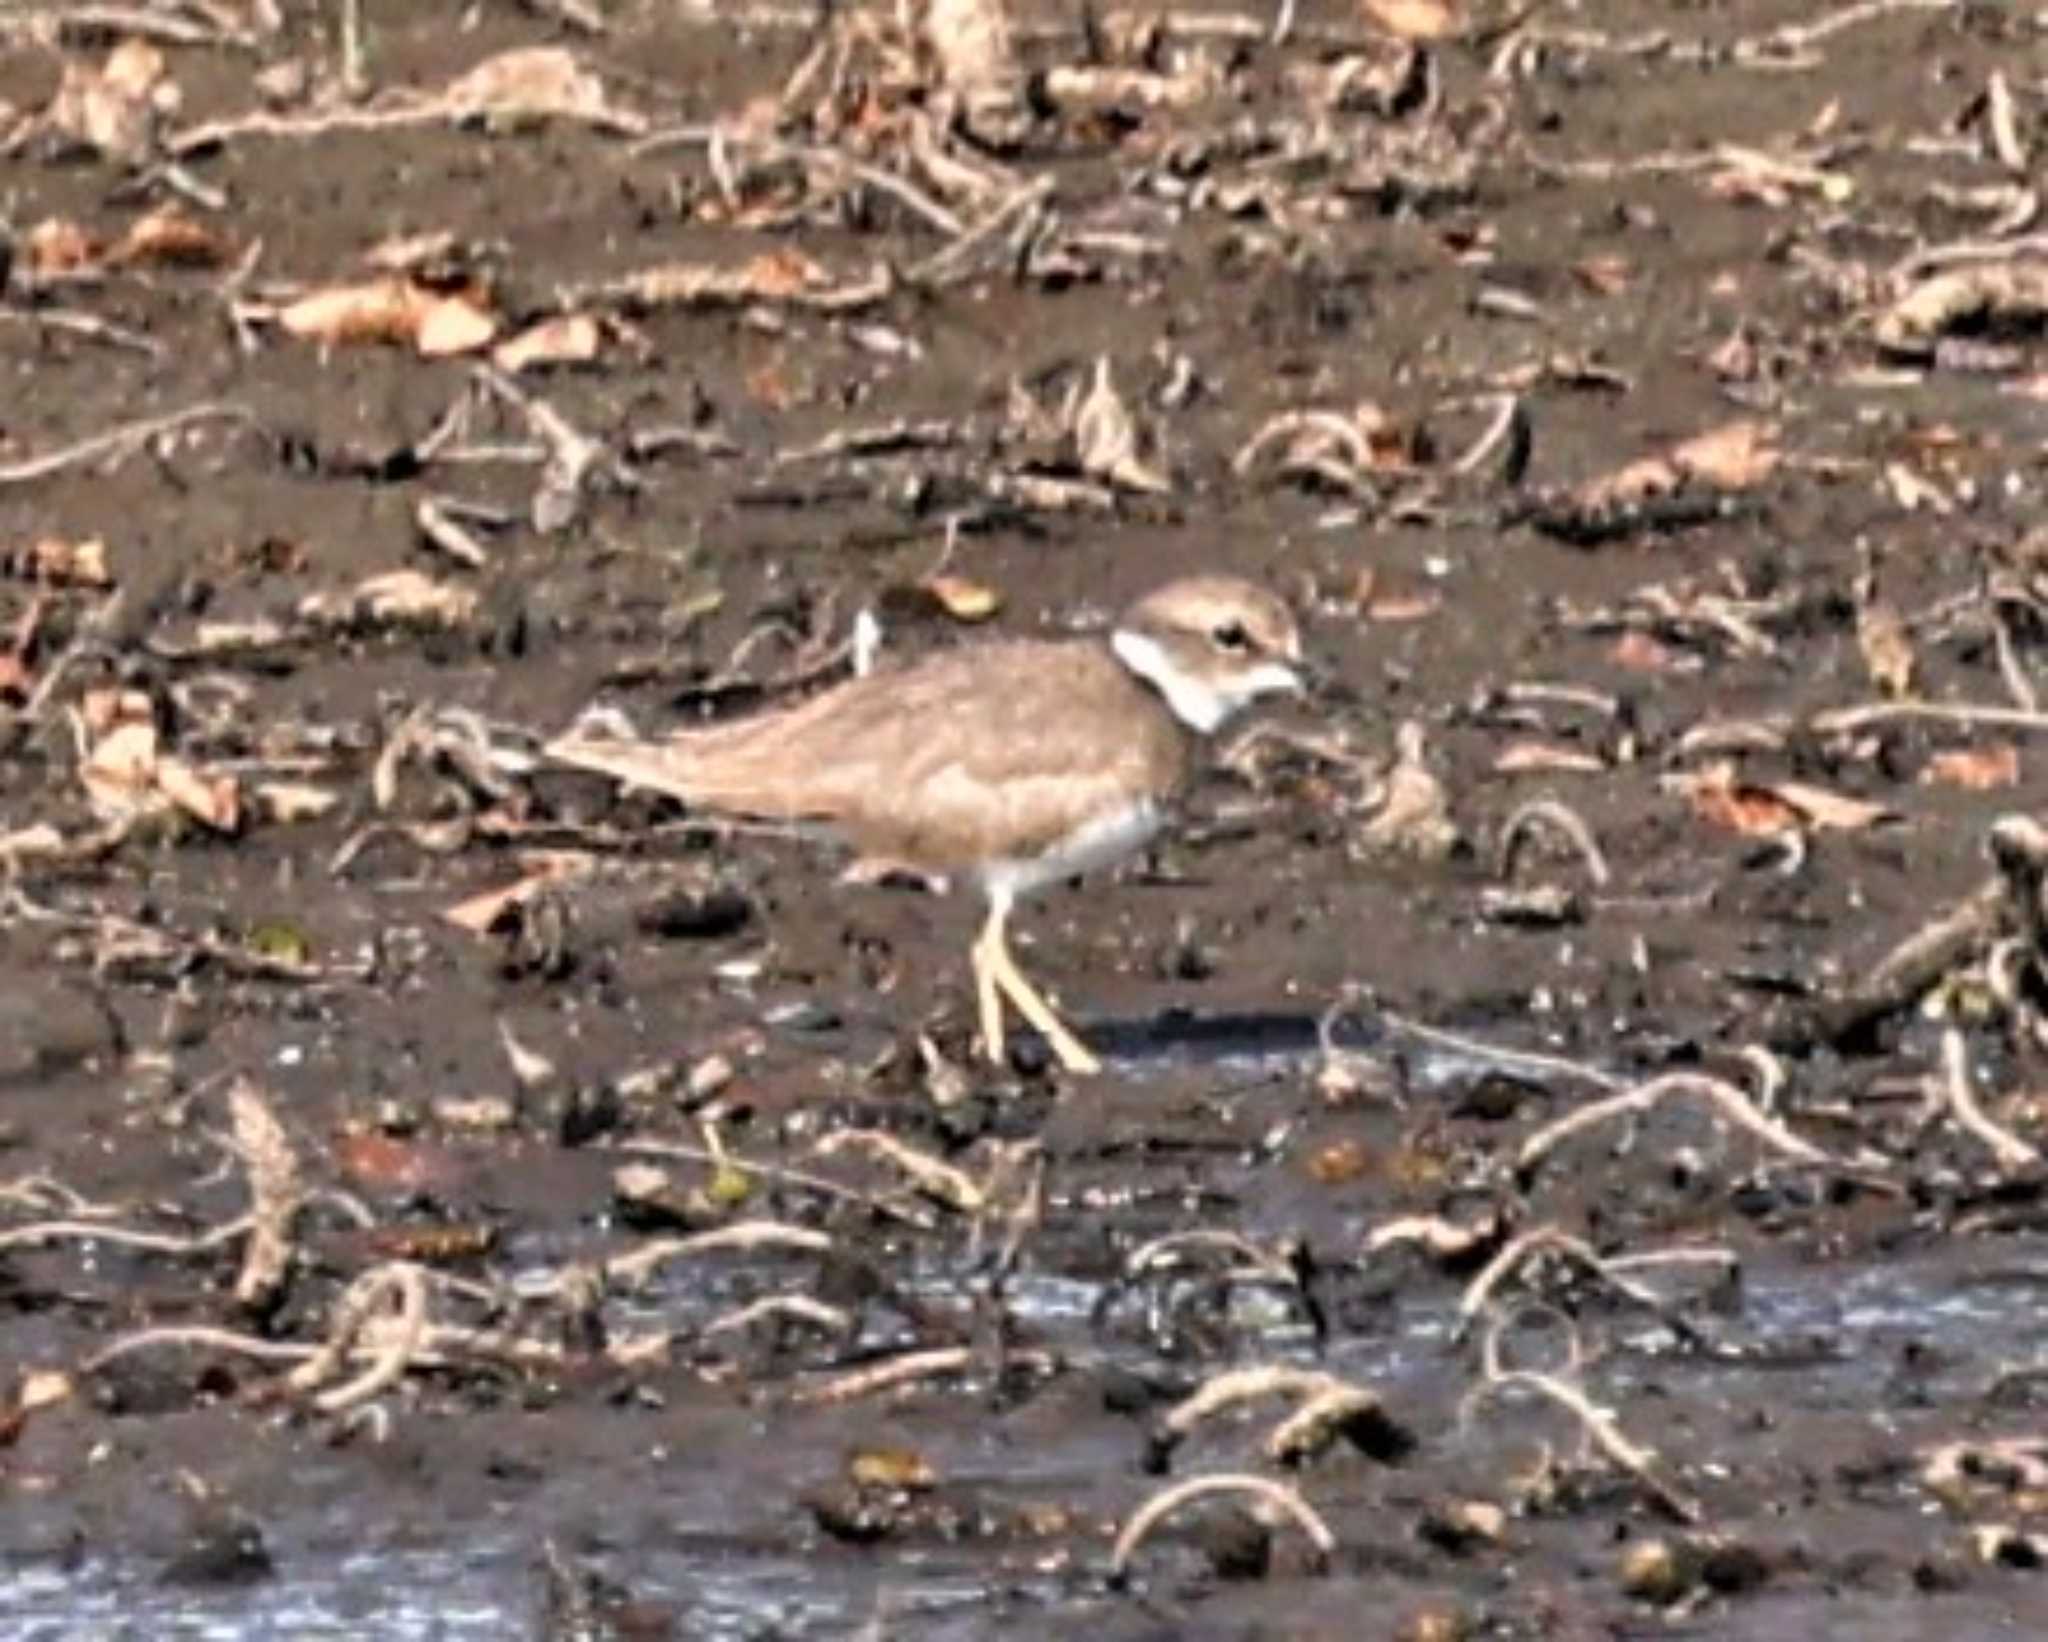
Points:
x=1204, y=705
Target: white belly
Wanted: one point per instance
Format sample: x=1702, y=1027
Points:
x=1099, y=844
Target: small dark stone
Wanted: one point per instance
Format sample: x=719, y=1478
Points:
x=221, y=1553
x=589, y=1114
x=696, y=914
x=1735, y=1568
x=1237, y=1546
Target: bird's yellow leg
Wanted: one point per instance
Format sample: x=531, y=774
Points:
x=987, y=994
x=994, y=960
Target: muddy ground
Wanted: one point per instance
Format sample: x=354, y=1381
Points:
x=240, y=804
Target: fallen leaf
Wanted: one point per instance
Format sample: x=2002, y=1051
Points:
x=970, y=40
x=1106, y=437
x=1545, y=757
x=1758, y=809
x=1886, y=646
x=40, y=1388
x=892, y=1468
x=113, y=109
x=1606, y=274
x=1991, y=296
x=566, y=339
x=126, y=773
x=409, y=597
x=452, y=325
x=1975, y=769
x=393, y=311
x=1641, y=652
x=168, y=238
x=100, y=710
x=387, y=1164
x=413, y=253
x=1915, y=494
x=56, y=246
x=1735, y=456
x=539, y=81
x=782, y=273
x=1393, y=607
x=963, y=600
x=1338, y=1163
x=1414, y=815
x=1415, y=19
x=281, y=941
x=288, y=801
x=213, y=799
x=480, y=912
x=64, y=563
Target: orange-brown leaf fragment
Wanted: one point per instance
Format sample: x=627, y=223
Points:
x=782, y=273
x=962, y=599
x=69, y=564
x=1642, y=652
x=1759, y=810
x=56, y=246
x=1975, y=769
x=452, y=325
x=1735, y=456
x=1887, y=648
x=394, y=311
x=381, y=310
x=213, y=799
x=566, y=339
x=1415, y=19
x=169, y=238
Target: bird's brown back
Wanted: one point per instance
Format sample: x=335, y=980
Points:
x=1001, y=750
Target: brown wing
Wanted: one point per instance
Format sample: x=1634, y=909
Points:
x=999, y=750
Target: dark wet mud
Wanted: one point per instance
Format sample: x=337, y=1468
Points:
x=1571, y=1146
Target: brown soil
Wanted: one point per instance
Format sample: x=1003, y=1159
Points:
x=1476, y=234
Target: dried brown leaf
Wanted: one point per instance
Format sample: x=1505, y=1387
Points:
x=1735, y=456
x=566, y=339
x=64, y=563
x=1640, y=652
x=213, y=799
x=1887, y=648
x=451, y=325
x=1106, y=437
x=57, y=246
x=480, y=912
x=1415, y=19
x=113, y=109
x=1607, y=274
x=1994, y=296
x=397, y=596
x=540, y=82
x=169, y=238
x=970, y=40
x=962, y=599
x=383, y=1163
x=390, y=310
x=1414, y=815
x=1975, y=769
x=288, y=801
x=1768, y=809
x=1546, y=757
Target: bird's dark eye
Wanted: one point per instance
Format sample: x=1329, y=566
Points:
x=1232, y=636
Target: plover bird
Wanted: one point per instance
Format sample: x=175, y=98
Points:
x=1018, y=764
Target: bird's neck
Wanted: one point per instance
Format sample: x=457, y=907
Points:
x=1194, y=701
